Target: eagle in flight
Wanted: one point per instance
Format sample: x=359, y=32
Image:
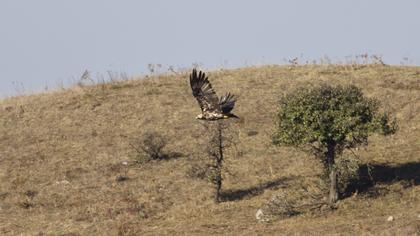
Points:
x=212, y=108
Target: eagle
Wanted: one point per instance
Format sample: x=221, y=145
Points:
x=212, y=107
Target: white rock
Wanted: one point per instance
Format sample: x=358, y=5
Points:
x=63, y=182
x=390, y=218
x=259, y=215
x=124, y=163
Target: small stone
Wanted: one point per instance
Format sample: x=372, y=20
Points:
x=63, y=182
x=390, y=218
x=124, y=163
x=259, y=215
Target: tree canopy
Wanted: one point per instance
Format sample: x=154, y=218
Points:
x=325, y=114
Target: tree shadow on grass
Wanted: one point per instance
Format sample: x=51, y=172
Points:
x=170, y=155
x=166, y=156
x=233, y=195
x=371, y=174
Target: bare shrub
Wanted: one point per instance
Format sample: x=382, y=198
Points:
x=150, y=147
x=198, y=171
x=291, y=202
x=282, y=206
x=219, y=139
x=215, y=151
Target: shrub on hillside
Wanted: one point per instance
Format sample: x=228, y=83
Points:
x=150, y=146
x=326, y=120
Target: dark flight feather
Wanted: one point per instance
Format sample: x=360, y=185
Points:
x=227, y=102
x=211, y=106
x=203, y=92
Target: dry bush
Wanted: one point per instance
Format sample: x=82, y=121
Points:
x=298, y=199
x=291, y=202
x=220, y=136
x=150, y=147
x=198, y=170
x=215, y=150
x=282, y=205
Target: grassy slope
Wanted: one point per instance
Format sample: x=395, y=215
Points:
x=61, y=152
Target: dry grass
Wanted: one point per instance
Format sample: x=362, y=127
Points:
x=61, y=155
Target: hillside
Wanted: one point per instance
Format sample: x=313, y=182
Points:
x=62, y=152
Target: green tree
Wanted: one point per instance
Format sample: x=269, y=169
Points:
x=326, y=120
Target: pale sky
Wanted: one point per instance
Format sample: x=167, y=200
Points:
x=50, y=42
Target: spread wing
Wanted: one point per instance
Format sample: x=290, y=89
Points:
x=203, y=92
x=227, y=102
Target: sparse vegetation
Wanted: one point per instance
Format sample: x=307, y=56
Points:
x=68, y=146
x=215, y=152
x=216, y=147
x=327, y=120
x=348, y=173
x=282, y=205
x=150, y=147
x=199, y=170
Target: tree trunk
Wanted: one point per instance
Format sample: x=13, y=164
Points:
x=218, y=182
x=333, y=195
x=219, y=162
